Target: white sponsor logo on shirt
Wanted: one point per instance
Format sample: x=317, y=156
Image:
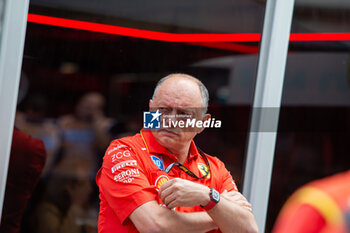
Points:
x=127, y=163
x=127, y=176
x=120, y=155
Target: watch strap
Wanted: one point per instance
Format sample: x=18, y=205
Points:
x=213, y=200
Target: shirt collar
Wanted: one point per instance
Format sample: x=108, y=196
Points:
x=154, y=147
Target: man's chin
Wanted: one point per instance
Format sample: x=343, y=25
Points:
x=166, y=137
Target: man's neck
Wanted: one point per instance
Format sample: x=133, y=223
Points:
x=181, y=153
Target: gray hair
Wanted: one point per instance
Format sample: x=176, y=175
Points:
x=202, y=88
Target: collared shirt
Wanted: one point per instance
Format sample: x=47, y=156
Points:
x=132, y=173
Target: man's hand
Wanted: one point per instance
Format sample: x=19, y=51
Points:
x=237, y=198
x=180, y=192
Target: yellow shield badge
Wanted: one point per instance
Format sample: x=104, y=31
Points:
x=204, y=169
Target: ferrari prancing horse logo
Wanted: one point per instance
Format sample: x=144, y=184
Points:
x=204, y=169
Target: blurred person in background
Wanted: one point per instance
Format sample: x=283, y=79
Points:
x=86, y=132
x=27, y=161
x=321, y=206
x=65, y=207
x=33, y=121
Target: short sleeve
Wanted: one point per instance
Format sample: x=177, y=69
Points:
x=123, y=182
x=226, y=179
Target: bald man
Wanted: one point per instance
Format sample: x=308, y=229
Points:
x=159, y=181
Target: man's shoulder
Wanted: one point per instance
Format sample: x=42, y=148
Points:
x=129, y=146
x=214, y=160
x=134, y=141
x=123, y=152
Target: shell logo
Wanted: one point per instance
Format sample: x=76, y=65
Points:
x=160, y=181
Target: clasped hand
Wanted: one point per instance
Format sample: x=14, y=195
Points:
x=180, y=192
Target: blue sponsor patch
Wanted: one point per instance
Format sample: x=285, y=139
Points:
x=157, y=162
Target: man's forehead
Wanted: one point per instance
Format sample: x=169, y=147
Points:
x=176, y=103
x=179, y=92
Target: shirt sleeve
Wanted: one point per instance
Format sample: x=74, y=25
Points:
x=303, y=219
x=123, y=182
x=226, y=180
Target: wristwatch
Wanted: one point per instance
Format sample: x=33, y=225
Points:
x=214, y=199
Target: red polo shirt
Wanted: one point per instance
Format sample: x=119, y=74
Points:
x=132, y=173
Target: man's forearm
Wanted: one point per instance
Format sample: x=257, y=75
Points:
x=151, y=218
x=231, y=214
x=189, y=222
x=232, y=218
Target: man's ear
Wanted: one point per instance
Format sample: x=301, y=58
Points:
x=150, y=104
x=207, y=116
